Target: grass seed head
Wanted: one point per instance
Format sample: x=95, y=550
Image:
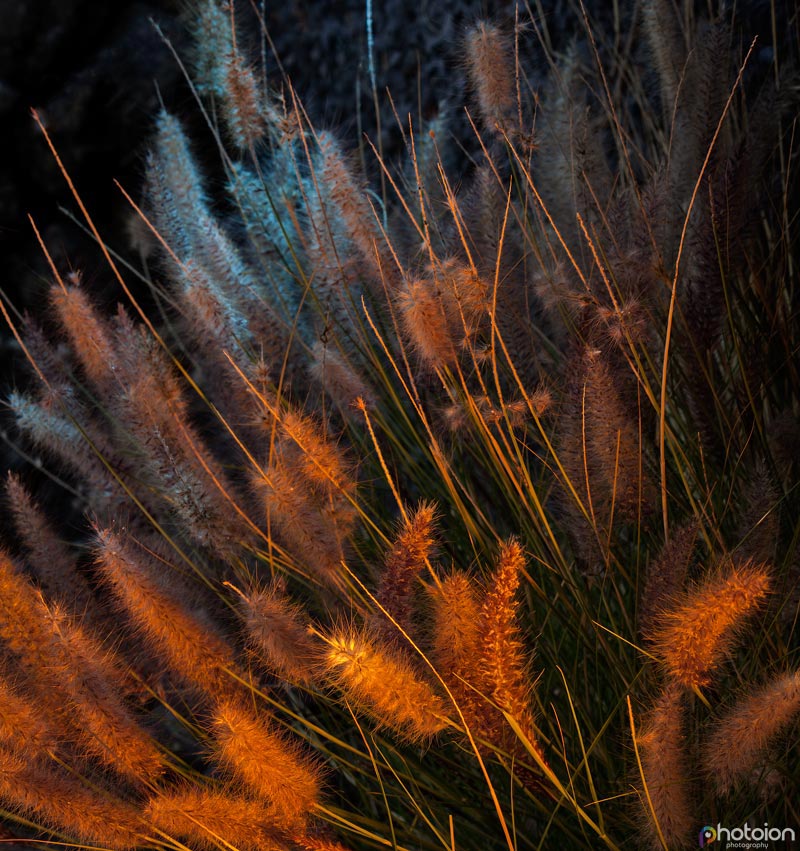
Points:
x=694, y=636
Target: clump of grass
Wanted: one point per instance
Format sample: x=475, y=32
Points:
x=405, y=505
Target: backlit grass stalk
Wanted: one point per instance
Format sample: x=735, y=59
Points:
x=693, y=637
x=383, y=682
x=266, y=762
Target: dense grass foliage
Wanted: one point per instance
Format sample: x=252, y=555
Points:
x=434, y=513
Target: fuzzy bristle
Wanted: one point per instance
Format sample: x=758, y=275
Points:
x=662, y=749
x=491, y=73
x=271, y=767
x=210, y=819
x=666, y=575
x=275, y=630
x=339, y=379
x=503, y=665
x=60, y=801
x=294, y=510
x=457, y=634
x=694, y=636
x=89, y=334
x=191, y=648
x=739, y=741
x=384, y=683
x=50, y=558
x=21, y=726
x=242, y=108
x=93, y=684
x=320, y=459
x=427, y=325
x=309, y=842
x=404, y=563
x=415, y=451
x=24, y=631
x=350, y=203
x=457, y=637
